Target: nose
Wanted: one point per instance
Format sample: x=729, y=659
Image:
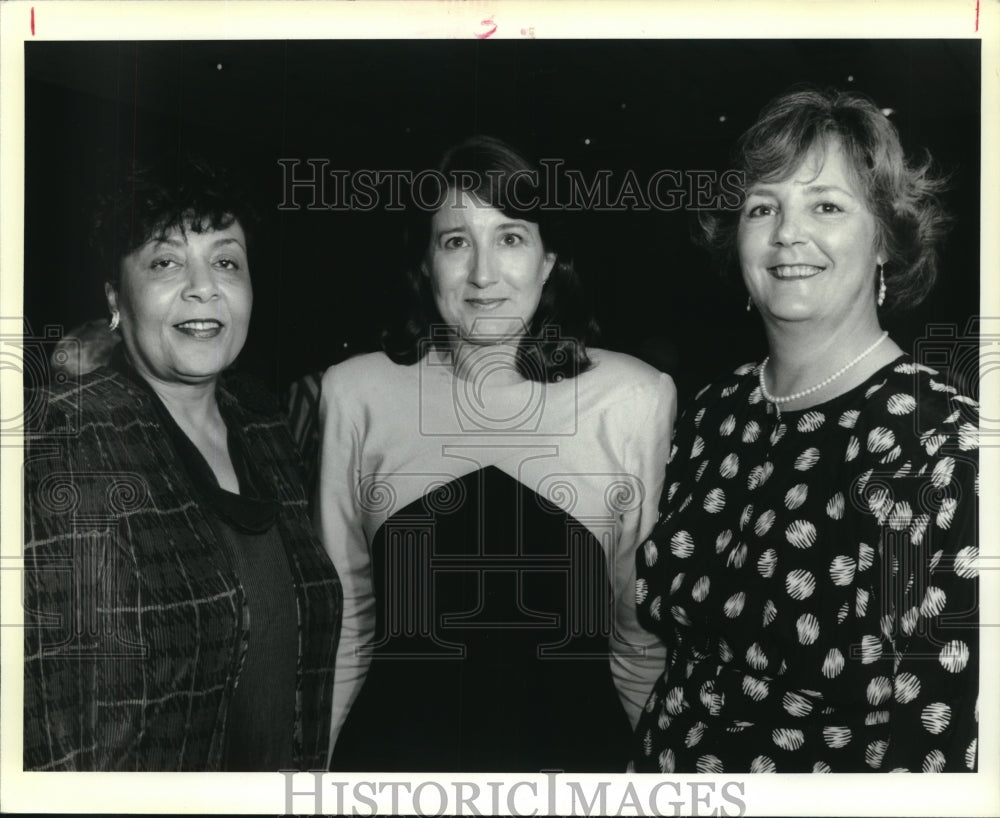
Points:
x=201, y=281
x=788, y=229
x=482, y=270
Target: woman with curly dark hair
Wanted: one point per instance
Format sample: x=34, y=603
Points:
x=181, y=614
x=814, y=569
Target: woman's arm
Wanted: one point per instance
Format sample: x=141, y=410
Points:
x=77, y=641
x=56, y=706
x=933, y=711
x=637, y=656
x=340, y=526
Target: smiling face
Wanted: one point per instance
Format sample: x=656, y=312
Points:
x=807, y=244
x=185, y=301
x=486, y=270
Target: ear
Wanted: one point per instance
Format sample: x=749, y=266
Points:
x=547, y=264
x=111, y=295
x=423, y=270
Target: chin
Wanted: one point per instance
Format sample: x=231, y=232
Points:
x=792, y=311
x=202, y=370
x=492, y=333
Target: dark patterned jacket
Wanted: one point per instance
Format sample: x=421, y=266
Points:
x=136, y=626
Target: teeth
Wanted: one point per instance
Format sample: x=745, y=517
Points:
x=795, y=270
x=201, y=324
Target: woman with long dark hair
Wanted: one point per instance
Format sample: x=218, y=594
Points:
x=484, y=484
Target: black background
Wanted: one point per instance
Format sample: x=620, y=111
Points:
x=322, y=279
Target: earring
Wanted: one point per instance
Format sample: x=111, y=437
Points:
x=115, y=320
x=881, y=287
x=749, y=303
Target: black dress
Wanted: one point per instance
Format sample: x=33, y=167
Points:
x=509, y=666
x=814, y=574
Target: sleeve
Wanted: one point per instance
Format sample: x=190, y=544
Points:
x=637, y=656
x=933, y=712
x=340, y=527
x=654, y=575
x=68, y=576
x=51, y=739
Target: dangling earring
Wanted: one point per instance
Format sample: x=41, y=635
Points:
x=115, y=320
x=881, y=287
x=749, y=303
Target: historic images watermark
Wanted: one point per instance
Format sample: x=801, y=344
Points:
x=312, y=184
x=550, y=793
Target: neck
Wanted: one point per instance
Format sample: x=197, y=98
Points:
x=802, y=358
x=191, y=405
x=476, y=362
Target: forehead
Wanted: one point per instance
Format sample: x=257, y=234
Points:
x=195, y=235
x=464, y=209
x=824, y=164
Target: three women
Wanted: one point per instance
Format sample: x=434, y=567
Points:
x=485, y=483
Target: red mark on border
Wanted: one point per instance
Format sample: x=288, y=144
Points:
x=32, y=21
x=977, y=15
x=489, y=33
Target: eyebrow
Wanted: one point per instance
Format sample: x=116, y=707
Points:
x=172, y=242
x=829, y=189
x=764, y=190
x=228, y=240
x=176, y=242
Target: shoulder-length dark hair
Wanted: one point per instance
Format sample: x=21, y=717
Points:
x=902, y=195
x=555, y=344
x=148, y=201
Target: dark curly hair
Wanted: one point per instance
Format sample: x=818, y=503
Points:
x=148, y=201
x=903, y=196
x=555, y=345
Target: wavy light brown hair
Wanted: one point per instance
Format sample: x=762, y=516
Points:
x=903, y=195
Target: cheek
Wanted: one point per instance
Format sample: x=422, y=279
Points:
x=445, y=279
x=527, y=274
x=138, y=300
x=743, y=246
x=748, y=252
x=244, y=300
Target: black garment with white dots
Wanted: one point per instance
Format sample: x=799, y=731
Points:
x=814, y=574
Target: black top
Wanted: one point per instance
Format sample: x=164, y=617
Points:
x=814, y=576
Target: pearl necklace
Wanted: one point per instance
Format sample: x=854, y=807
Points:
x=778, y=400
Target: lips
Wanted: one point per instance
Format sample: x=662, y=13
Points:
x=794, y=271
x=202, y=328
x=485, y=303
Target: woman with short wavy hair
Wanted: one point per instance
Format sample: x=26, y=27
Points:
x=814, y=570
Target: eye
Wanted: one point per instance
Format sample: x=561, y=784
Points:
x=511, y=239
x=162, y=264
x=228, y=263
x=758, y=211
x=829, y=207
x=455, y=242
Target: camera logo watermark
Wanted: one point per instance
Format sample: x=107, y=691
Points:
x=962, y=363
x=43, y=360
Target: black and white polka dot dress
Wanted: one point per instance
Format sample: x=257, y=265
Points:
x=814, y=574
